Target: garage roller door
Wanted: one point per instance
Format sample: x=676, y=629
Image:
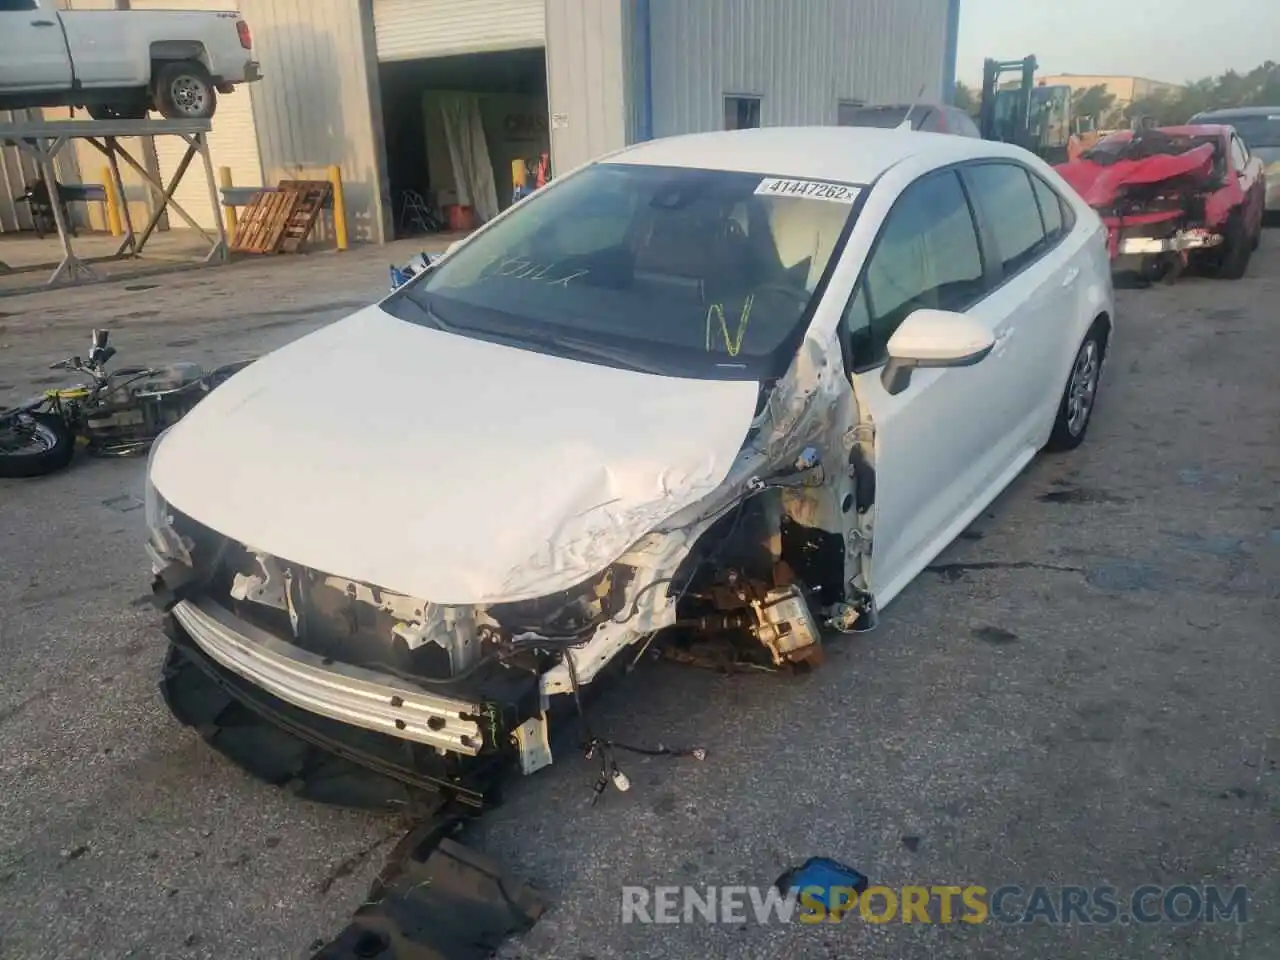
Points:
x=233, y=141
x=415, y=29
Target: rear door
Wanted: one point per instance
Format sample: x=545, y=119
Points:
x=33, y=53
x=1038, y=293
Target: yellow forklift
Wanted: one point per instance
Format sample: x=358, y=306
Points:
x=1035, y=117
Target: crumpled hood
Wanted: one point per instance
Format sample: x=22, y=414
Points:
x=447, y=468
x=1100, y=184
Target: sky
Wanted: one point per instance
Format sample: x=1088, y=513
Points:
x=1169, y=40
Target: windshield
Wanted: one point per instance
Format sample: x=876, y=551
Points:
x=1148, y=143
x=695, y=273
x=1256, y=130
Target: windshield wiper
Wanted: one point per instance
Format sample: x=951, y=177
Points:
x=520, y=336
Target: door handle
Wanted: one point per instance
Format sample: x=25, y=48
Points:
x=1070, y=277
x=43, y=23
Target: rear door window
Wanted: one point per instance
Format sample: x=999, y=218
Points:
x=927, y=256
x=1050, y=209
x=1003, y=191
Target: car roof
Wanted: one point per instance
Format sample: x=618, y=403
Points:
x=847, y=154
x=1211, y=115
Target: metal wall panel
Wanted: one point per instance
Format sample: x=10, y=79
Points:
x=800, y=58
x=17, y=169
x=413, y=29
x=317, y=103
x=588, y=66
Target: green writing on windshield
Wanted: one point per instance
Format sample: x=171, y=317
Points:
x=732, y=342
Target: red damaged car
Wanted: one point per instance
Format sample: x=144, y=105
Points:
x=1173, y=197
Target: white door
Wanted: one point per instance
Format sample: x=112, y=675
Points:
x=416, y=29
x=1038, y=294
x=233, y=141
x=33, y=55
x=938, y=443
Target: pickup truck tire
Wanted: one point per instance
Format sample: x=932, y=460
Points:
x=184, y=90
x=1236, y=250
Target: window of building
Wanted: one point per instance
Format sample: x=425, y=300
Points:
x=741, y=113
x=1004, y=191
x=927, y=256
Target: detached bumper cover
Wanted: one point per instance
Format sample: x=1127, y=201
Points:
x=340, y=692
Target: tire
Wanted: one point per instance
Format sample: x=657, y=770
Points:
x=1236, y=250
x=117, y=111
x=184, y=90
x=51, y=448
x=1072, y=423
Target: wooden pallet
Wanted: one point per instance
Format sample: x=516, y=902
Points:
x=263, y=223
x=312, y=196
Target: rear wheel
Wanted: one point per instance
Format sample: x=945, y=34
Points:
x=184, y=91
x=1075, y=410
x=34, y=444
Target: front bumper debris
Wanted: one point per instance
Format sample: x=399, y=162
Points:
x=437, y=900
x=363, y=698
x=1193, y=239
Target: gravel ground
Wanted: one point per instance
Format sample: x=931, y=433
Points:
x=1083, y=691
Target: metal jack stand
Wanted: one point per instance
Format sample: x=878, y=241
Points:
x=43, y=141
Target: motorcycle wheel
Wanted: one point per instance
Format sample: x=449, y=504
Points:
x=34, y=445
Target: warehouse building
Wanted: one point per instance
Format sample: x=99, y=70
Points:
x=434, y=99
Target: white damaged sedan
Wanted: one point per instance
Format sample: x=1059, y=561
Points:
x=742, y=384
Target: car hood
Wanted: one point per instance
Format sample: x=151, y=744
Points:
x=446, y=468
x=1101, y=183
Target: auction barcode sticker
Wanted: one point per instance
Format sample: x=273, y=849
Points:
x=809, y=189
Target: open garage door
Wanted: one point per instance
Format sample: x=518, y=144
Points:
x=415, y=29
x=233, y=142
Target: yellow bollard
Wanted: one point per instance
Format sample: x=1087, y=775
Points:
x=339, y=208
x=229, y=212
x=113, y=203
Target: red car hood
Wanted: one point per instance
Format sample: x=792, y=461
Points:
x=1099, y=184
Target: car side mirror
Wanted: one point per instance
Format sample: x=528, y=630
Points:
x=933, y=338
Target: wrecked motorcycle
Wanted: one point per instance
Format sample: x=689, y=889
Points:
x=115, y=413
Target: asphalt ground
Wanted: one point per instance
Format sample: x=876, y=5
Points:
x=1082, y=692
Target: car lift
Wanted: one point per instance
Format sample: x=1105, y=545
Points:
x=43, y=141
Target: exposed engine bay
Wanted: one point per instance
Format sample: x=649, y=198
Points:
x=1164, y=194
x=749, y=582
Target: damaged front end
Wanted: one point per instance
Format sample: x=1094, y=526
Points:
x=1163, y=196
x=446, y=698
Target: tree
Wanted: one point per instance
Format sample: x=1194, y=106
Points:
x=1094, y=102
x=967, y=99
x=1260, y=87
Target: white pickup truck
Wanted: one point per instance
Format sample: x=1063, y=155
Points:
x=119, y=64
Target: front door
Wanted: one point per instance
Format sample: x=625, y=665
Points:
x=33, y=53
x=937, y=443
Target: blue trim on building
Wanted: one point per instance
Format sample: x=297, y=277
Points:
x=644, y=25
x=953, y=46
